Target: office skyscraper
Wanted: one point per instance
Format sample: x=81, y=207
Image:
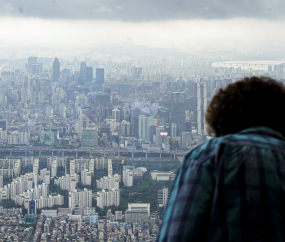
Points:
x=144, y=126
x=33, y=66
x=100, y=77
x=135, y=73
x=83, y=71
x=3, y=124
x=55, y=70
x=201, y=106
x=178, y=107
x=33, y=60
x=135, y=112
x=89, y=75
x=32, y=207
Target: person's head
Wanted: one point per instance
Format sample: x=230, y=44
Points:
x=252, y=101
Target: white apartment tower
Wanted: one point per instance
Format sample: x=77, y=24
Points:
x=108, y=198
x=36, y=166
x=201, y=106
x=109, y=182
x=67, y=182
x=110, y=167
x=80, y=198
x=45, y=175
x=86, y=177
x=128, y=177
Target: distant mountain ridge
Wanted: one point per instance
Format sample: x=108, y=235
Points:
x=140, y=51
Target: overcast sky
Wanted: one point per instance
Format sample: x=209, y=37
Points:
x=143, y=10
x=166, y=23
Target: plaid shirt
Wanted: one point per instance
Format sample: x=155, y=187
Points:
x=230, y=188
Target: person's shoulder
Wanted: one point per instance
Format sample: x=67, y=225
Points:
x=203, y=151
x=262, y=137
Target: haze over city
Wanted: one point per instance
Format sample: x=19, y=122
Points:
x=63, y=27
x=101, y=100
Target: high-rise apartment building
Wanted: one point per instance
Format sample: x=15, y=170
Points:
x=128, y=177
x=81, y=198
x=100, y=163
x=54, y=168
x=86, y=177
x=62, y=110
x=10, y=167
x=49, y=111
x=78, y=165
x=33, y=97
x=201, y=106
x=107, y=198
x=45, y=176
x=68, y=182
x=36, y=166
x=125, y=128
x=41, y=97
x=109, y=182
x=110, y=167
x=116, y=114
x=162, y=196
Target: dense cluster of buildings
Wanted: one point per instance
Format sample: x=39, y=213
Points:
x=80, y=216
x=10, y=167
x=138, y=104
x=149, y=105
x=67, y=182
x=51, y=225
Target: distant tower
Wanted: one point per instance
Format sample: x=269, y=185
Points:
x=89, y=74
x=135, y=73
x=3, y=124
x=201, y=106
x=55, y=70
x=32, y=208
x=135, y=112
x=83, y=71
x=178, y=107
x=100, y=77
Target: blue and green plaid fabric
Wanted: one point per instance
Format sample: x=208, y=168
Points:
x=230, y=188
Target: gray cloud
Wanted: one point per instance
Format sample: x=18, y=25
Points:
x=143, y=10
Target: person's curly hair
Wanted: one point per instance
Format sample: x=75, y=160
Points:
x=252, y=101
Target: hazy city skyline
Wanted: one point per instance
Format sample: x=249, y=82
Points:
x=100, y=101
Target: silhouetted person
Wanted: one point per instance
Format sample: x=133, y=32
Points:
x=232, y=187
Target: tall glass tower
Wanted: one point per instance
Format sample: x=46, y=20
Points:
x=55, y=70
x=100, y=77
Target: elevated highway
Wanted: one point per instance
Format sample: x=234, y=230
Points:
x=111, y=153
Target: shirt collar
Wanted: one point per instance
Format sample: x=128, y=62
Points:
x=263, y=131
